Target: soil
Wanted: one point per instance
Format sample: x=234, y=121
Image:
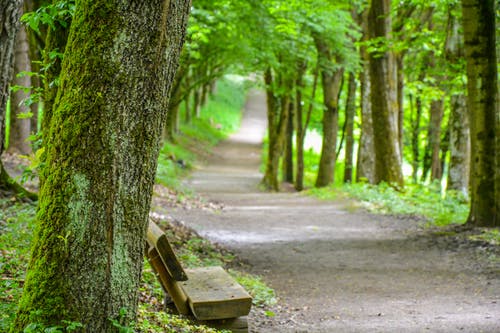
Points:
x=335, y=267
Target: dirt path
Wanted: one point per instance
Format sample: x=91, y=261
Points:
x=337, y=269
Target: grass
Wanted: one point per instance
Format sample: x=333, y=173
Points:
x=16, y=229
x=415, y=200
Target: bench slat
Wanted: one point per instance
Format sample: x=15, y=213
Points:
x=213, y=294
x=157, y=238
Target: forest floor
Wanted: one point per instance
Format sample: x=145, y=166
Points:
x=334, y=266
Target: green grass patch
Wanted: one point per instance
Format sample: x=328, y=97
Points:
x=490, y=236
x=414, y=200
x=16, y=230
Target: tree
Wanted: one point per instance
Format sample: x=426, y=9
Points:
x=101, y=154
x=20, y=124
x=482, y=102
x=383, y=97
x=458, y=124
x=10, y=10
x=331, y=80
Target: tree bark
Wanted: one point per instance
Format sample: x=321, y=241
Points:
x=288, y=159
x=102, y=151
x=20, y=127
x=277, y=121
x=349, y=141
x=482, y=103
x=331, y=80
x=458, y=124
x=384, y=100
x=10, y=12
x=415, y=137
x=365, y=167
x=458, y=175
x=432, y=162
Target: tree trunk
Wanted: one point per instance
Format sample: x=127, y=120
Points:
x=432, y=162
x=302, y=126
x=102, y=151
x=288, y=160
x=20, y=126
x=349, y=141
x=482, y=103
x=458, y=124
x=277, y=121
x=415, y=137
x=384, y=100
x=10, y=11
x=331, y=80
x=365, y=167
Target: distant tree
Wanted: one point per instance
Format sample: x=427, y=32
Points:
x=10, y=11
x=365, y=166
x=383, y=97
x=20, y=124
x=484, y=114
x=101, y=155
x=458, y=125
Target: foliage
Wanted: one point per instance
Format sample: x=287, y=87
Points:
x=416, y=200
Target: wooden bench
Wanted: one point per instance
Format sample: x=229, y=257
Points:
x=210, y=294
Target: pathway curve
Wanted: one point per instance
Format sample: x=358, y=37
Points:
x=336, y=268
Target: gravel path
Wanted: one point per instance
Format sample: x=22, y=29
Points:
x=334, y=267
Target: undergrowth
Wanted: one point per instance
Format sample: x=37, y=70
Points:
x=218, y=118
x=415, y=200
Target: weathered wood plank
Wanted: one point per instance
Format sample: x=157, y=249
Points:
x=171, y=286
x=213, y=294
x=157, y=238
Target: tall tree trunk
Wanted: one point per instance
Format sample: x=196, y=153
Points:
x=277, y=121
x=288, y=158
x=458, y=125
x=20, y=126
x=331, y=80
x=365, y=167
x=400, y=97
x=102, y=151
x=432, y=161
x=482, y=103
x=415, y=136
x=302, y=125
x=349, y=141
x=384, y=100
x=10, y=11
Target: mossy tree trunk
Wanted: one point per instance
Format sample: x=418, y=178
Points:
x=102, y=149
x=482, y=103
x=383, y=79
